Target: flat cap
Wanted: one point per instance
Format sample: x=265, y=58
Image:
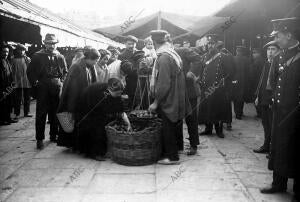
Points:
x=132, y=38
x=20, y=47
x=113, y=50
x=271, y=43
x=285, y=25
x=158, y=35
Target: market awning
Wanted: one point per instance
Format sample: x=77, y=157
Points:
x=68, y=33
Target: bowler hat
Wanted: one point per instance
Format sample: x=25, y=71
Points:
x=50, y=38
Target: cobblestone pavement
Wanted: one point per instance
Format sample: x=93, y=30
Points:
x=223, y=170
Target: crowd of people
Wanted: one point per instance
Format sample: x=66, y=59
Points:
x=178, y=83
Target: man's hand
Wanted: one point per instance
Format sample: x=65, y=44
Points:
x=153, y=107
x=129, y=128
x=256, y=101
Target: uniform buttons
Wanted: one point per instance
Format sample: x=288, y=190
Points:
x=280, y=80
x=278, y=94
x=278, y=101
x=278, y=86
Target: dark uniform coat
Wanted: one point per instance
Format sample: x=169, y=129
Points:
x=215, y=79
x=242, y=65
x=286, y=114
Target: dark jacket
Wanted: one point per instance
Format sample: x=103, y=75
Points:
x=254, y=73
x=44, y=66
x=131, y=79
x=6, y=77
x=190, y=59
x=286, y=115
x=264, y=95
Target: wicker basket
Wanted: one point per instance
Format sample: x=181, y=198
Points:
x=135, y=148
x=66, y=121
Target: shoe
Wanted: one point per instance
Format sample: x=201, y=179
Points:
x=4, y=123
x=220, y=135
x=272, y=190
x=39, y=144
x=294, y=199
x=192, y=151
x=229, y=126
x=167, y=161
x=28, y=115
x=12, y=121
x=206, y=132
x=53, y=139
x=261, y=150
x=180, y=151
x=99, y=158
x=239, y=117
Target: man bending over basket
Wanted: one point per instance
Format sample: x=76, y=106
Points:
x=100, y=104
x=168, y=85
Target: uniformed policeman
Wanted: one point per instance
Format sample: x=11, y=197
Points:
x=46, y=71
x=264, y=95
x=284, y=154
x=216, y=75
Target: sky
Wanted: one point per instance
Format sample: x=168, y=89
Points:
x=122, y=9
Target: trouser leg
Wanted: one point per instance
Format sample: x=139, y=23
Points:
x=18, y=100
x=238, y=108
x=54, y=101
x=296, y=188
x=279, y=181
x=219, y=127
x=209, y=127
x=169, y=138
x=266, y=122
x=192, y=125
x=5, y=110
x=42, y=105
x=179, y=135
x=26, y=93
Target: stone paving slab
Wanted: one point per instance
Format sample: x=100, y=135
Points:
x=122, y=184
x=223, y=170
x=120, y=197
x=47, y=195
x=186, y=195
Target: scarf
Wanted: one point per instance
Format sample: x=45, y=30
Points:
x=167, y=49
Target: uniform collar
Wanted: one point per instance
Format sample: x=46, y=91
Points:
x=294, y=46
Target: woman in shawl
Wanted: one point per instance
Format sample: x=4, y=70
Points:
x=101, y=103
x=81, y=74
